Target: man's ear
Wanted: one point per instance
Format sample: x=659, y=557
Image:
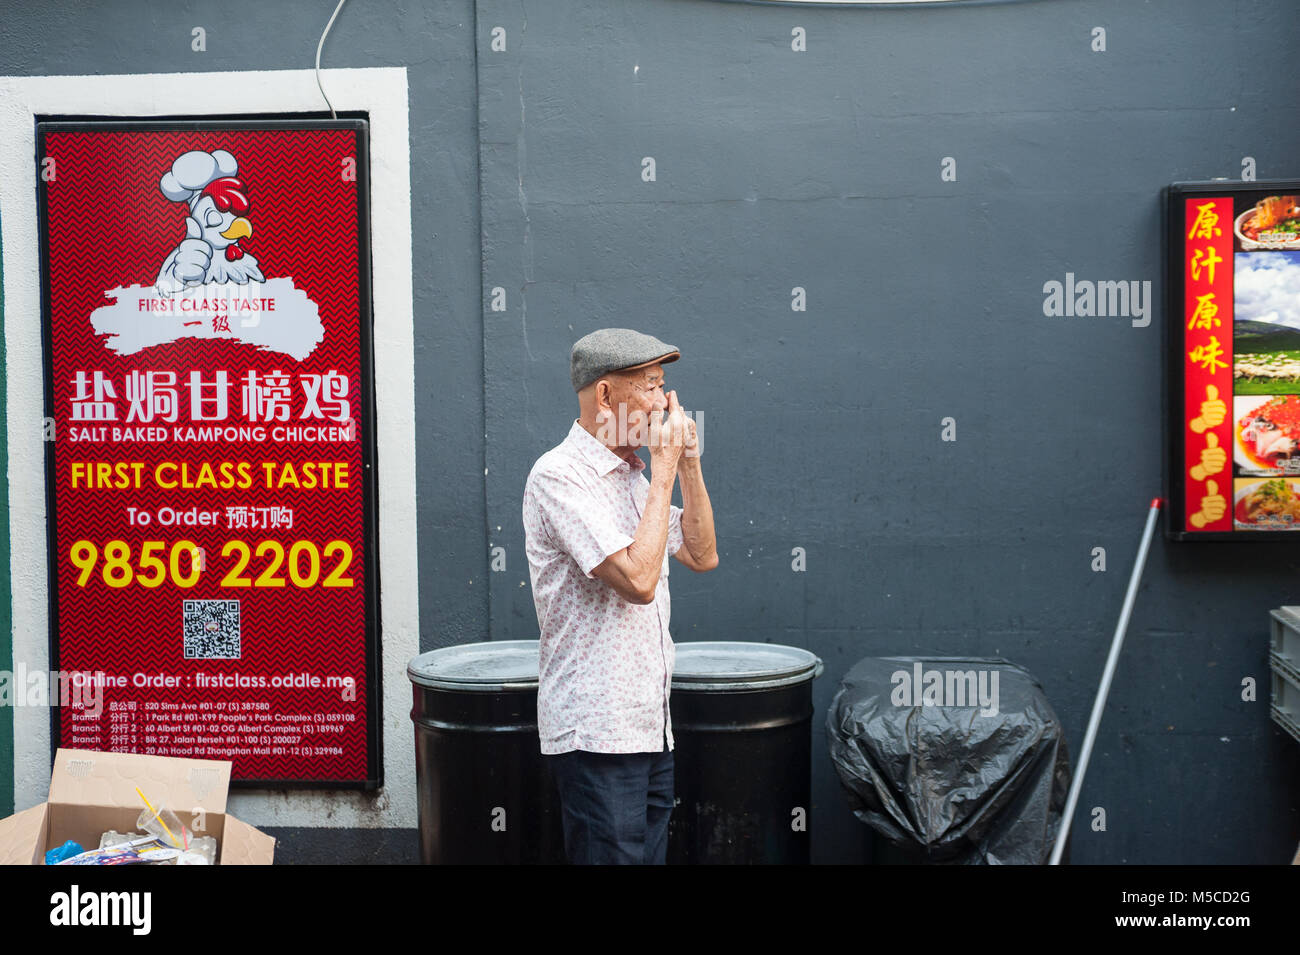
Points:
x=604, y=396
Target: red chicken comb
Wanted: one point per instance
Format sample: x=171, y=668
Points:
x=228, y=193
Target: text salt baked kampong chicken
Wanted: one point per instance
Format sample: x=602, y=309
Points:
x=218, y=203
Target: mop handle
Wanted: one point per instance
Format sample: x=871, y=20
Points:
x=1100, y=703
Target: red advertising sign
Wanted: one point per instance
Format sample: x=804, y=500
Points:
x=1234, y=360
x=1207, y=347
x=211, y=465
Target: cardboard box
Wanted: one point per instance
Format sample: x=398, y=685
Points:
x=92, y=792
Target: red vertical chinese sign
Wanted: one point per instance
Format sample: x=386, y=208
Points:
x=1207, y=363
x=211, y=471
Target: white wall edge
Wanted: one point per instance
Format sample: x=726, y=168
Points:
x=382, y=92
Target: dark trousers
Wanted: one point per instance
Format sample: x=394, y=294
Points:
x=615, y=806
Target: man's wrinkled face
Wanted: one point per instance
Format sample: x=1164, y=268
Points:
x=635, y=396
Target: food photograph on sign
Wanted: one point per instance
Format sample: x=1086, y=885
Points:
x=212, y=468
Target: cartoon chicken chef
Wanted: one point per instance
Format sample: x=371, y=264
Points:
x=218, y=203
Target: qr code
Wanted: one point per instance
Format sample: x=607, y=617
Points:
x=211, y=629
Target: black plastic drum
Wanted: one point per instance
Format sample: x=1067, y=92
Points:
x=484, y=794
x=742, y=728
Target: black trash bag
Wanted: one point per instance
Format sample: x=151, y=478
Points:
x=959, y=784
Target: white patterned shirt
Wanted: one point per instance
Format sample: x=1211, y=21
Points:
x=605, y=664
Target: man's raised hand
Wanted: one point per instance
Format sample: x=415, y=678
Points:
x=666, y=446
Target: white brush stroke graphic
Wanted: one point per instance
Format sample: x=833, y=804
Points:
x=271, y=316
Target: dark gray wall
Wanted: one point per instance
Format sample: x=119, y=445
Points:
x=821, y=169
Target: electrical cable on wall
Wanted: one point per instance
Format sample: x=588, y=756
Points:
x=319, y=47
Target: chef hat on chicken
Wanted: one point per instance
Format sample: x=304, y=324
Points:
x=194, y=171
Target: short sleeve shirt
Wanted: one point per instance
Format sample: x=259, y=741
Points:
x=605, y=664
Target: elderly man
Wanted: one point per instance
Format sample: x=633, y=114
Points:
x=599, y=536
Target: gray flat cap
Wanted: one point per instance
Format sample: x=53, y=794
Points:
x=615, y=349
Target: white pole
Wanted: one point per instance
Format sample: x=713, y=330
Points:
x=1117, y=642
